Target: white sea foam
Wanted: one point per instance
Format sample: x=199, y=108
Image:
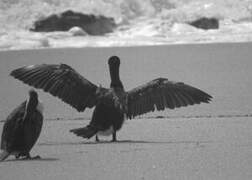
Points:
x=141, y=22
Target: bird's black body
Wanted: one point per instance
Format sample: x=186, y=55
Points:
x=108, y=115
x=114, y=104
x=22, y=129
x=106, y=120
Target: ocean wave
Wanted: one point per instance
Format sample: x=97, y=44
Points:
x=140, y=22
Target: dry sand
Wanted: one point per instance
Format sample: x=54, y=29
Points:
x=215, y=146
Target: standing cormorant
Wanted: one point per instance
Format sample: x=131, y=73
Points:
x=22, y=128
x=113, y=104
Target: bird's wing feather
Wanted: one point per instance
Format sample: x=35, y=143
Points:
x=162, y=93
x=61, y=81
x=11, y=125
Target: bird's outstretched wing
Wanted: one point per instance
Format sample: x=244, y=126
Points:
x=160, y=94
x=61, y=81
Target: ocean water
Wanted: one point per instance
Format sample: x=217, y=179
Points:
x=140, y=22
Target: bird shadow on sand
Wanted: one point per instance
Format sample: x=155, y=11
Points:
x=147, y=142
x=124, y=142
x=47, y=159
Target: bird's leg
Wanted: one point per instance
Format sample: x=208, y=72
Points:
x=27, y=156
x=97, y=138
x=114, y=137
x=17, y=156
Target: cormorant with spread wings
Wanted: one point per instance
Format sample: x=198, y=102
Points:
x=112, y=105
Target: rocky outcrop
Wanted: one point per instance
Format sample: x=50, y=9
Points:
x=205, y=23
x=91, y=24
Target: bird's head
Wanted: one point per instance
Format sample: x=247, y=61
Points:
x=33, y=93
x=114, y=61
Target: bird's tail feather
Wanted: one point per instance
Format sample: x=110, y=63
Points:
x=4, y=155
x=85, y=132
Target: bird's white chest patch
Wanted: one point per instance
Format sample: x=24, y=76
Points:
x=40, y=107
x=106, y=132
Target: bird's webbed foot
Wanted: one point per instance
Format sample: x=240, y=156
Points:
x=28, y=157
x=35, y=157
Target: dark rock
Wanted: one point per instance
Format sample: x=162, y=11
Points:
x=205, y=23
x=93, y=25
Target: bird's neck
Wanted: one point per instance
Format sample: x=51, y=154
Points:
x=40, y=107
x=31, y=105
x=115, y=77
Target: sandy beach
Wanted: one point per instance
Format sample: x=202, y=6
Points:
x=207, y=141
x=217, y=148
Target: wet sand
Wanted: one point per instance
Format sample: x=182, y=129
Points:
x=148, y=149
x=223, y=70
x=208, y=141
